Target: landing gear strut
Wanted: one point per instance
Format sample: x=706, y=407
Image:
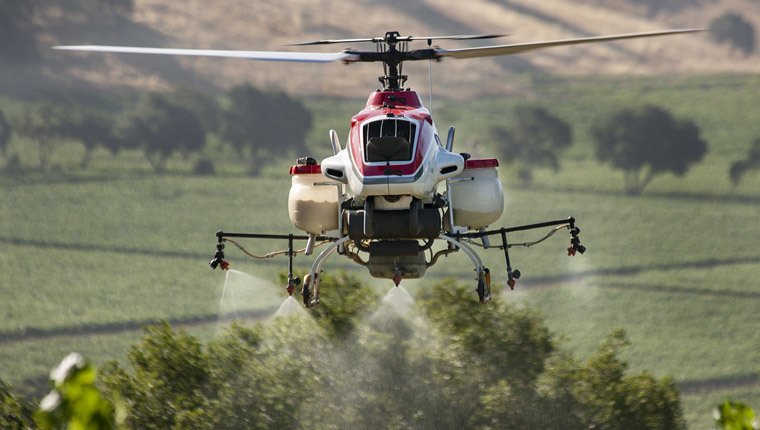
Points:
x=484, y=285
x=306, y=291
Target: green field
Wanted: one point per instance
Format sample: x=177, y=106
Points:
x=90, y=256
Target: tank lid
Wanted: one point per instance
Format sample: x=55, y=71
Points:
x=309, y=169
x=481, y=163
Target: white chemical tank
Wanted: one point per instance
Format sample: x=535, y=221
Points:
x=312, y=205
x=476, y=194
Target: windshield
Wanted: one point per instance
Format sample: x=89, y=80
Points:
x=390, y=139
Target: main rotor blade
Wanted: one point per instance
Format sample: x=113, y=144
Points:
x=304, y=57
x=491, y=51
x=332, y=41
x=456, y=37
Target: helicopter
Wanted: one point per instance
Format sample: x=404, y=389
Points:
x=396, y=188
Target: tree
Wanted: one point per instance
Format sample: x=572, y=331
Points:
x=251, y=377
x=535, y=141
x=751, y=162
x=599, y=393
x=732, y=29
x=5, y=134
x=508, y=343
x=345, y=298
x=517, y=377
x=170, y=373
x=160, y=127
x=43, y=123
x=46, y=123
x=445, y=362
x=92, y=128
x=202, y=104
x=646, y=142
x=260, y=125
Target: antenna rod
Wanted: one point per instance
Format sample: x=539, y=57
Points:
x=430, y=79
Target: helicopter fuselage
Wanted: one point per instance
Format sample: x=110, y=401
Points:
x=393, y=150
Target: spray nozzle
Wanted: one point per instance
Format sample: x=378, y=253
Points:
x=292, y=284
x=512, y=278
x=575, y=242
x=218, y=260
x=575, y=246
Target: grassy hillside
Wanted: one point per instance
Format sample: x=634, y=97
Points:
x=91, y=256
x=236, y=24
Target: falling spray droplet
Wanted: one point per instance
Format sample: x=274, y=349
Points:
x=397, y=301
x=291, y=307
x=247, y=297
x=396, y=307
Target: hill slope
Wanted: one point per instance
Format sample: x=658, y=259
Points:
x=267, y=25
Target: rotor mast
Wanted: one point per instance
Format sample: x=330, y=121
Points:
x=393, y=60
x=392, y=51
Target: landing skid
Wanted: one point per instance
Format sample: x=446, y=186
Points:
x=484, y=294
x=310, y=293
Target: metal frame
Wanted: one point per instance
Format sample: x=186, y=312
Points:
x=513, y=275
x=310, y=290
x=570, y=221
x=218, y=259
x=467, y=250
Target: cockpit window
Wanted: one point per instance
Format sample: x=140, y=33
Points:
x=389, y=140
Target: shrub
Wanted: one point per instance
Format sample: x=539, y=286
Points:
x=204, y=166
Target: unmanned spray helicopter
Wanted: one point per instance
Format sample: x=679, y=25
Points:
x=396, y=188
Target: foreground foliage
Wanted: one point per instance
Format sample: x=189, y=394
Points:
x=75, y=402
x=731, y=415
x=443, y=362
x=14, y=414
